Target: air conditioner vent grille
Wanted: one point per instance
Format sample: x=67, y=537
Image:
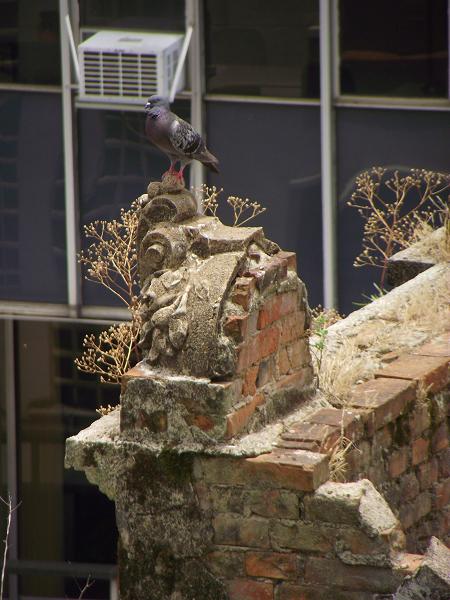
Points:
x=117, y=65
x=109, y=74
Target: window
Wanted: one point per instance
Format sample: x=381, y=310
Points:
x=157, y=15
x=258, y=48
x=62, y=517
x=29, y=42
x=32, y=212
x=394, y=48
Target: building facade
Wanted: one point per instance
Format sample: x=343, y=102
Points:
x=295, y=99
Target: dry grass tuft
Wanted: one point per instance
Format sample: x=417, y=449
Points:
x=338, y=460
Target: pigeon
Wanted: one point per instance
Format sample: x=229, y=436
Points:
x=175, y=137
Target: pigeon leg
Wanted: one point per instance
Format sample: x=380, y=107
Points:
x=183, y=164
x=171, y=168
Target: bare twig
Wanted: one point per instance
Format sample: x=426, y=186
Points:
x=244, y=210
x=111, y=261
x=11, y=509
x=395, y=210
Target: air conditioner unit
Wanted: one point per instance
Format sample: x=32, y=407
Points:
x=125, y=66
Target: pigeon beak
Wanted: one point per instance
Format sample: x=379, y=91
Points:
x=148, y=106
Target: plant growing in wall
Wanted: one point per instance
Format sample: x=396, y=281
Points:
x=111, y=261
x=398, y=211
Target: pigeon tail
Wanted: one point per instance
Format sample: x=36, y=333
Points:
x=210, y=161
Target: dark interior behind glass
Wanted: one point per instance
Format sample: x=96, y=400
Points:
x=394, y=48
x=256, y=48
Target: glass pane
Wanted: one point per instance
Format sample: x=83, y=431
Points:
x=394, y=48
x=288, y=185
x=258, y=48
x=29, y=42
x=116, y=163
x=62, y=517
x=72, y=588
x=159, y=15
x=394, y=139
x=32, y=213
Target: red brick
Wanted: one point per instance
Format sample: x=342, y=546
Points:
x=419, y=421
x=409, y=486
x=271, y=565
x=290, y=257
x=383, y=437
x=440, y=346
x=266, y=372
x=242, y=291
x=444, y=463
x=289, y=303
x=407, y=515
x=226, y=563
x=274, y=270
x=292, y=327
x=234, y=530
x=442, y=494
x=238, y=419
x=273, y=503
x=249, y=381
x=352, y=577
x=270, y=311
x=283, y=362
x=398, y=462
x=422, y=505
x=419, y=450
x=298, y=535
x=347, y=420
x=318, y=437
x=293, y=470
x=427, y=474
x=298, y=379
x=439, y=440
x=298, y=353
x=243, y=589
x=260, y=346
x=431, y=370
x=383, y=400
x=235, y=326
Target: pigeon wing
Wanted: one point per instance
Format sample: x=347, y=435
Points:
x=184, y=139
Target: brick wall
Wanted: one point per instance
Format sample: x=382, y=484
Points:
x=266, y=317
x=273, y=539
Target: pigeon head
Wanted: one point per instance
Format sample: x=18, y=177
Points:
x=156, y=101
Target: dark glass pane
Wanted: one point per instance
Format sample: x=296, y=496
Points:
x=277, y=164
x=258, y=48
x=32, y=215
x=116, y=163
x=394, y=48
x=394, y=139
x=62, y=516
x=159, y=15
x=72, y=587
x=29, y=42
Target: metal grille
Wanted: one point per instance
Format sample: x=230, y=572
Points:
x=120, y=74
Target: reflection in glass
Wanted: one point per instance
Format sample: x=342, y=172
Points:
x=157, y=15
x=394, y=48
x=282, y=174
x=32, y=214
x=62, y=517
x=258, y=48
x=29, y=42
x=116, y=163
